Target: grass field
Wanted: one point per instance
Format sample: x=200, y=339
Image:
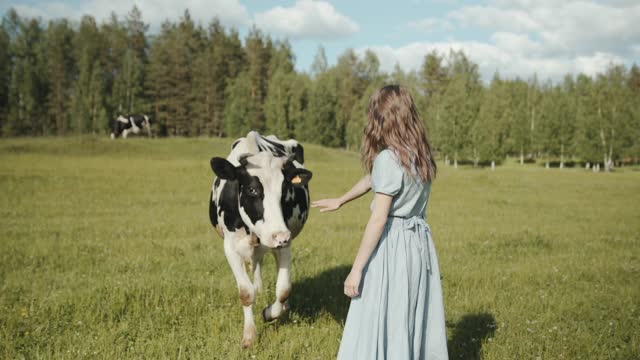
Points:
x=106, y=252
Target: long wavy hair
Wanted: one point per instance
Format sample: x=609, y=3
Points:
x=394, y=123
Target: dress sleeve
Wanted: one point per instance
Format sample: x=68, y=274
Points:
x=386, y=175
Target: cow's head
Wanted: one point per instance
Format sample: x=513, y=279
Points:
x=260, y=178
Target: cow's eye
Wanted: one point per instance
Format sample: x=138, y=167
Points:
x=252, y=191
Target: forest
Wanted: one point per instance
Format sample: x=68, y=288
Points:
x=67, y=77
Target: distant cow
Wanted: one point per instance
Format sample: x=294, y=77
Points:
x=259, y=202
x=125, y=125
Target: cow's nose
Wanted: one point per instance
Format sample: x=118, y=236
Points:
x=281, y=238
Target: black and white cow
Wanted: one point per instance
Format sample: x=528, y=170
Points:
x=259, y=203
x=130, y=124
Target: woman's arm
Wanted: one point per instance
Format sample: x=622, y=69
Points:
x=372, y=234
x=359, y=189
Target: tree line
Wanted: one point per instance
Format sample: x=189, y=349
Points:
x=67, y=77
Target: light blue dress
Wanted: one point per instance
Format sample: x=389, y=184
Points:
x=400, y=312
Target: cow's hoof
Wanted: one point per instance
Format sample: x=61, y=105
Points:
x=266, y=314
x=249, y=337
x=246, y=343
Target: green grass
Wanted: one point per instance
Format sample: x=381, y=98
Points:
x=106, y=252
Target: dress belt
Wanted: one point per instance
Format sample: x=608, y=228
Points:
x=418, y=224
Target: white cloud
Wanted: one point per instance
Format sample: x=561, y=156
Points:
x=411, y=56
x=547, y=37
x=430, y=25
x=307, y=19
x=577, y=27
x=491, y=58
x=46, y=11
x=519, y=44
x=495, y=18
x=596, y=63
x=154, y=12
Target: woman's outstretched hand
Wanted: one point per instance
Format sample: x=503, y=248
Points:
x=327, y=204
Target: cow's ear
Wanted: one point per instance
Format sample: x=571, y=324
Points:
x=295, y=176
x=223, y=169
x=300, y=177
x=298, y=152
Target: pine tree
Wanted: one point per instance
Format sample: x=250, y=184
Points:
x=28, y=86
x=258, y=58
x=348, y=92
x=239, y=114
x=136, y=34
x=98, y=118
x=632, y=151
x=322, y=122
x=116, y=45
x=59, y=72
x=158, y=81
x=533, y=102
x=319, y=65
x=359, y=117
x=587, y=119
x=278, y=103
x=282, y=57
x=519, y=119
x=460, y=105
x=128, y=90
x=235, y=55
x=489, y=131
x=280, y=100
x=434, y=81
x=614, y=113
x=5, y=73
x=211, y=83
x=301, y=85
x=557, y=120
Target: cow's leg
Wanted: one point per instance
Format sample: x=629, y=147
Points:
x=125, y=132
x=245, y=289
x=257, y=275
x=283, y=285
x=256, y=262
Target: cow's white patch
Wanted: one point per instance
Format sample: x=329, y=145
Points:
x=290, y=195
x=268, y=170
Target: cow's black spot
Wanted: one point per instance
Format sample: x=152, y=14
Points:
x=299, y=199
x=277, y=150
x=228, y=203
x=119, y=127
x=213, y=211
x=137, y=119
x=251, y=197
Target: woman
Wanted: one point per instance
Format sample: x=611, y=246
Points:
x=396, y=310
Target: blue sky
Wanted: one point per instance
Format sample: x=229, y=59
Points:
x=515, y=37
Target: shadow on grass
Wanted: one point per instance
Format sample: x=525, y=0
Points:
x=322, y=293
x=469, y=333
